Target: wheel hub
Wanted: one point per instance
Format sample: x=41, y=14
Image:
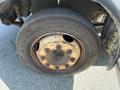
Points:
x=56, y=53
x=57, y=57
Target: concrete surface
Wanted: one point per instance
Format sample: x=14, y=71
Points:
x=15, y=76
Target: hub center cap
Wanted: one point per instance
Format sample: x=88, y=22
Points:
x=56, y=55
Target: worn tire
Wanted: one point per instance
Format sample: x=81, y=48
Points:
x=58, y=20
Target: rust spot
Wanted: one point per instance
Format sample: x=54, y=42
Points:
x=67, y=65
x=56, y=67
x=72, y=59
x=58, y=47
x=42, y=57
x=69, y=51
x=47, y=64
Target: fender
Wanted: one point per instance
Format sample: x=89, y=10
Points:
x=113, y=8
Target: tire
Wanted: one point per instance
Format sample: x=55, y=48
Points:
x=63, y=21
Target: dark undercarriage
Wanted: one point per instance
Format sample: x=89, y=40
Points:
x=12, y=9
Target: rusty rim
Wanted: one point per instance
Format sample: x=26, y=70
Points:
x=58, y=51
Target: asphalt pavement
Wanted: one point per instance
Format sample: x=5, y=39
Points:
x=15, y=76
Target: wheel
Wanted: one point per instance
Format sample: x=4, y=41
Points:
x=58, y=41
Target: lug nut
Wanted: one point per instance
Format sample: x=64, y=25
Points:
x=69, y=51
x=42, y=57
x=58, y=47
x=57, y=67
x=67, y=65
x=72, y=59
x=47, y=64
x=47, y=49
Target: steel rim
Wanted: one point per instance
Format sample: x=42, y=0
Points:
x=58, y=51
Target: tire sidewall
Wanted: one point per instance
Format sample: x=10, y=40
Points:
x=39, y=26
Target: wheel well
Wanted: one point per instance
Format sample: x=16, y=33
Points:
x=86, y=7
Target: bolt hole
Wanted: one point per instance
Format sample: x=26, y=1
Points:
x=68, y=38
